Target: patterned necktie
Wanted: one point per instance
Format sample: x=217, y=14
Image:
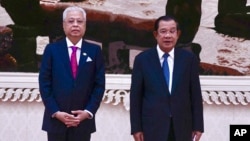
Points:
x=166, y=68
x=73, y=61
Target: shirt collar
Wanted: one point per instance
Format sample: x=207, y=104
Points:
x=161, y=53
x=69, y=43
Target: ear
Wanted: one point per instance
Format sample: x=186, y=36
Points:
x=179, y=33
x=63, y=24
x=155, y=33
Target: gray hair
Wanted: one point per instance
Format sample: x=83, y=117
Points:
x=74, y=8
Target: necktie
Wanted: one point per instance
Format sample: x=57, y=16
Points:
x=73, y=61
x=166, y=68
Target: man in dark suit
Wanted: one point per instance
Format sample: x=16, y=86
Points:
x=165, y=98
x=71, y=95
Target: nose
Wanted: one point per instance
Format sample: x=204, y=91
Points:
x=167, y=34
x=75, y=23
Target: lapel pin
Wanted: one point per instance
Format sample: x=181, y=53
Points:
x=84, y=54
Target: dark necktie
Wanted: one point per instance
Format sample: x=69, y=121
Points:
x=166, y=68
x=73, y=61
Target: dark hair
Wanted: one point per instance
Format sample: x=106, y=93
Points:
x=165, y=18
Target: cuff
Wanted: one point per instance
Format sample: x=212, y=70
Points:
x=54, y=115
x=90, y=114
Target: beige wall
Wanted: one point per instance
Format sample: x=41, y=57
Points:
x=226, y=101
x=21, y=121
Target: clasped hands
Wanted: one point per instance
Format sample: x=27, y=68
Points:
x=74, y=119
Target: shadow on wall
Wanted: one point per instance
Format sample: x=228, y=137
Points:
x=233, y=18
x=32, y=20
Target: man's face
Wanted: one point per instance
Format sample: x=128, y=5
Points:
x=74, y=25
x=167, y=35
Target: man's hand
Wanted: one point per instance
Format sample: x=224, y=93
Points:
x=68, y=119
x=196, y=135
x=138, y=136
x=81, y=115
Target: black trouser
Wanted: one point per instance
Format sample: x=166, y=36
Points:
x=171, y=135
x=70, y=135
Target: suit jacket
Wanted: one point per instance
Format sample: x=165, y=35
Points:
x=151, y=104
x=61, y=92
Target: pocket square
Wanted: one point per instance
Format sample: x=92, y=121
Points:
x=88, y=59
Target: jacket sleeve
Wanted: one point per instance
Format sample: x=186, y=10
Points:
x=99, y=83
x=45, y=81
x=136, y=93
x=196, y=97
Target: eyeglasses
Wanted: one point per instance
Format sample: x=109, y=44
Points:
x=165, y=32
x=73, y=21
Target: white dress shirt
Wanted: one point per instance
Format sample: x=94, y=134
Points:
x=78, y=51
x=170, y=64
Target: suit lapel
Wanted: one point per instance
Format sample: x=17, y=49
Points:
x=83, y=55
x=178, y=64
x=155, y=66
x=64, y=54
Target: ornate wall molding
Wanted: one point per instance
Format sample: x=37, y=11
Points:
x=20, y=87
